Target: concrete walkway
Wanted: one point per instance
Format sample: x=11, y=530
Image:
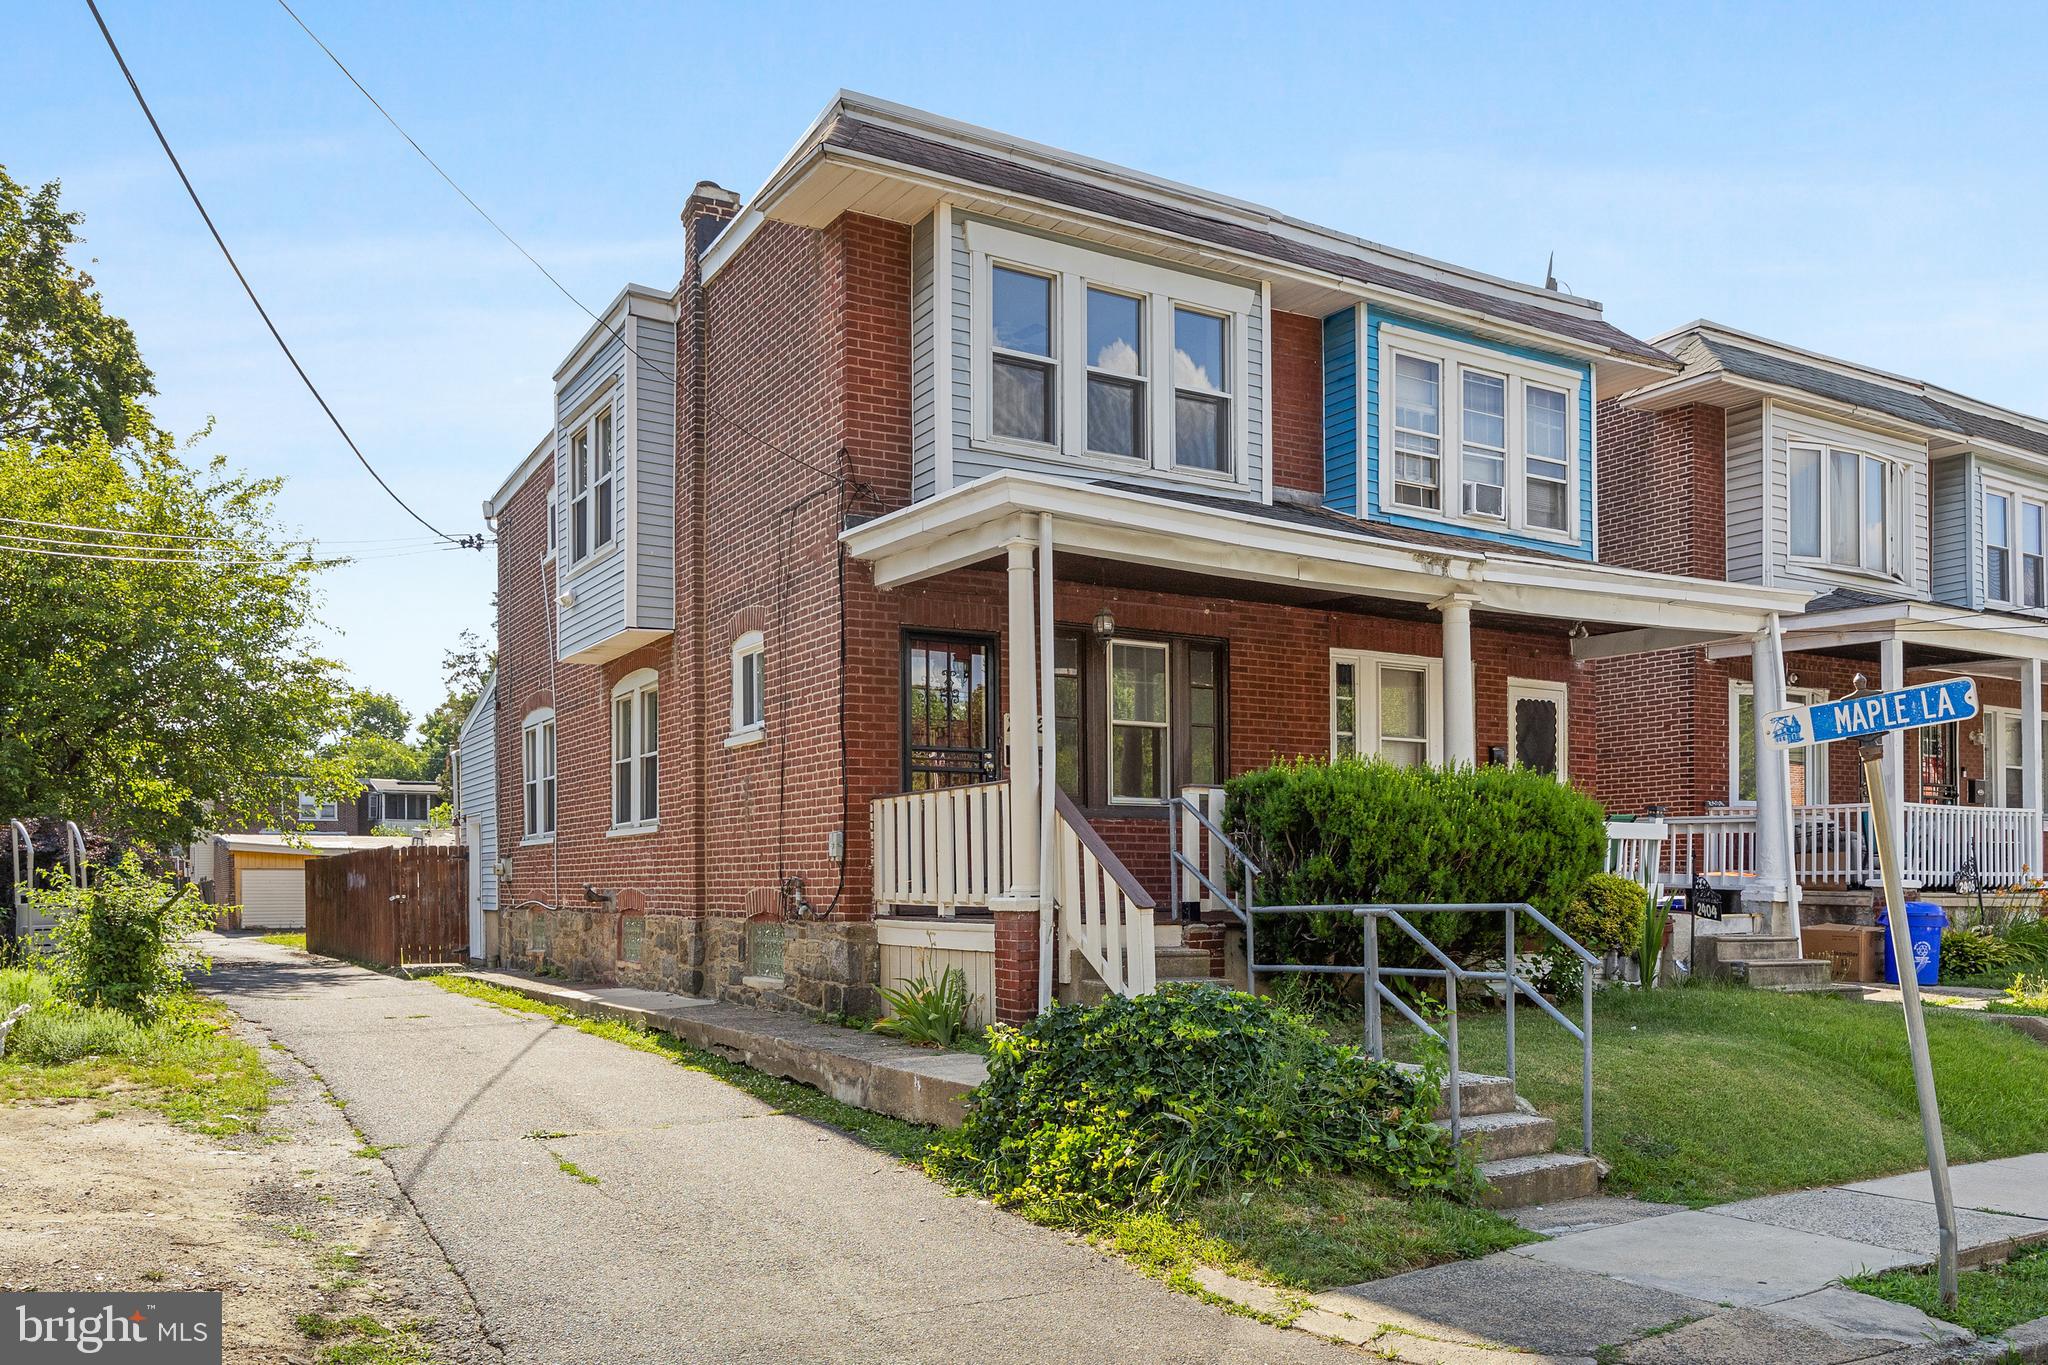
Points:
x=1750, y=1281
x=719, y=1230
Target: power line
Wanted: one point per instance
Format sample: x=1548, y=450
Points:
x=179, y=535
x=190, y=561
x=664, y=371
x=261, y=312
x=197, y=554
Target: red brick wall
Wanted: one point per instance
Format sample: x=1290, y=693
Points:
x=1297, y=398
x=1661, y=489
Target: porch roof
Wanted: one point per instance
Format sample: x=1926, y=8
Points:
x=1308, y=549
x=1851, y=623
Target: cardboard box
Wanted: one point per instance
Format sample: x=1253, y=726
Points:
x=1855, y=951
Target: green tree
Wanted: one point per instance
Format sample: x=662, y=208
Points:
x=464, y=669
x=69, y=369
x=161, y=680
x=378, y=713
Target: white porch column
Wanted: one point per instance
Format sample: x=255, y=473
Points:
x=1460, y=698
x=1048, y=766
x=2030, y=757
x=1023, y=737
x=1891, y=674
x=1774, y=872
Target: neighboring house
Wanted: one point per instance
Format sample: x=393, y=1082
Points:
x=265, y=874
x=397, y=803
x=1919, y=519
x=948, y=444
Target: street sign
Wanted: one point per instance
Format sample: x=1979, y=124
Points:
x=1873, y=713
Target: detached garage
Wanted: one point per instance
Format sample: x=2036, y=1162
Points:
x=266, y=875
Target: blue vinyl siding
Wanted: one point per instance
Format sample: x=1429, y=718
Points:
x=1340, y=411
x=1372, y=509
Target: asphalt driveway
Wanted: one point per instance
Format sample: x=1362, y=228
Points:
x=718, y=1229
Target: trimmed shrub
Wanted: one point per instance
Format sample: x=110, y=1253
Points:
x=1145, y=1102
x=1356, y=832
x=1607, y=916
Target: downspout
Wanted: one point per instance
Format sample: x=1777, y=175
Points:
x=1783, y=758
x=1048, y=765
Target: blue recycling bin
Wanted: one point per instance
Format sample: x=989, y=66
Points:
x=1924, y=923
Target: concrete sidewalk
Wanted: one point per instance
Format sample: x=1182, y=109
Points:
x=1750, y=1281
x=718, y=1229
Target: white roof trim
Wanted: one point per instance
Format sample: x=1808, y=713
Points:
x=635, y=300
x=543, y=450
x=476, y=708
x=1937, y=624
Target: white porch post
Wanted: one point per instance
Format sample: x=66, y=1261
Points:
x=1048, y=766
x=1891, y=675
x=1023, y=737
x=1773, y=827
x=1460, y=698
x=2030, y=758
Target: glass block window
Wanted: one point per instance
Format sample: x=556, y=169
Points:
x=764, y=948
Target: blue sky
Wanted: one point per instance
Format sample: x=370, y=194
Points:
x=1867, y=184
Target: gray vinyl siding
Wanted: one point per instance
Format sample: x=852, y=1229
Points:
x=2023, y=484
x=923, y=362
x=970, y=463
x=643, y=496
x=1744, y=478
x=479, y=780
x=1951, y=483
x=654, y=474
x=1785, y=425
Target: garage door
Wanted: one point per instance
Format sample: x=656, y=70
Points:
x=274, y=898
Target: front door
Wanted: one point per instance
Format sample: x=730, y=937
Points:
x=1940, y=781
x=1537, y=733
x=949, y=710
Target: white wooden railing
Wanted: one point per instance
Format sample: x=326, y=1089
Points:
x=944, y=848
x=1201, y=848
x=1832, y=844
x=1104, y=914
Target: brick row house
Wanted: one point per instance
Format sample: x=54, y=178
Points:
x=1916, y=519
x=895, y=591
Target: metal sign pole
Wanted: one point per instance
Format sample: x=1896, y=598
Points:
x=1909, y=994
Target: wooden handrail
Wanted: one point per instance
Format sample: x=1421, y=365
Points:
x=1090, y=840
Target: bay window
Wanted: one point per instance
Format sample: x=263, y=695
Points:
x=1107, y=360
x=1469, y=434
x=537, y=769
x=1385, y=706
x=2015, y=549
x=635, y=761
x=1844, y=509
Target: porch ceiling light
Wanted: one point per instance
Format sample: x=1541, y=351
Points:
x=1105, y=624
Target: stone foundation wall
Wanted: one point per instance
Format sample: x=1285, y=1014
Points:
x=831, y=967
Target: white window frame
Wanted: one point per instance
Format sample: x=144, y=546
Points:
x=1367, y=666
x=311, y=810
x=1895, y=508
x=1391, y=454
x=1816, y=754
x=631, y=748
x=1164, y=725
x=749, y=664
x=538, y=789
x=1997, y=760
x=1538, y=689
x=1453, y=359
x=1470, y=446
x=599, y=470
x=2020, y=506
x=554, y=529
x=1074, y=270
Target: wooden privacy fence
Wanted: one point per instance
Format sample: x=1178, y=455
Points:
x=390, y=907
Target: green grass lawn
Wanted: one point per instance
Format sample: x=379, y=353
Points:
x=1987, y=1301
x=297, y=940
x=1703, y=1095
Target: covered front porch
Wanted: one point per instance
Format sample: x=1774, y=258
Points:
x=1083, y=665
x=1968, y=795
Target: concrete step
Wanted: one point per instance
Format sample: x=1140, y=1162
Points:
x=1760, y=948
x=1518, y=1181
x=1181, y=964
x=1778, y=975
x=1496, y=1137
x=1477, y=1095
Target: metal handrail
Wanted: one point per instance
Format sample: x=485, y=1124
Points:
x=1252, y=871
x=1206, y=823
x=1453, y=976
x=21, y=861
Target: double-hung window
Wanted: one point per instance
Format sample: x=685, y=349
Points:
x=749, y=687
x=537, y=768
x=1384, y=706
x=636, y=728
x=311, y=808
x=1138, y=721
x=1808, y=762
x=2015, y=549
x=1107, y=360
x=1844, y=508
x=1468, y=434
x=1025, y=368
x=591, y=463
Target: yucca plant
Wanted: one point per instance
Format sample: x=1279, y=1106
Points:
x=1652, y=947
x=927, y=1011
